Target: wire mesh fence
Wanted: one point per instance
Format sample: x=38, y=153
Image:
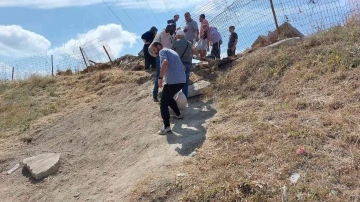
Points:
x=251, y=18
x=74, y=59
x=254, y=18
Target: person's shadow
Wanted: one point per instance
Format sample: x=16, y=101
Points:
x=190, y=132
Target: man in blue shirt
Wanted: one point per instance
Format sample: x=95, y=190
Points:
x=172, y=78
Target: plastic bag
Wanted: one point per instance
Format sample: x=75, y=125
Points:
x=181, y=100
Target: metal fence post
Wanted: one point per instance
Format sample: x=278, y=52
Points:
x=81, y=50
x=274, y=14
x=12, y=75
x=52, y=65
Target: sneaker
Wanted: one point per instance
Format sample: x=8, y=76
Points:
x=179, y=117
x=156, y=100
x=164, y=131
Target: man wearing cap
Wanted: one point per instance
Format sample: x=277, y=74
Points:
x=172, y=78
x=183, y=49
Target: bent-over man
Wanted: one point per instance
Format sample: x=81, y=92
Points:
x=172, y=79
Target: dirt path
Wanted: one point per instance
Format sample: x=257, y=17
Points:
x=106, y=149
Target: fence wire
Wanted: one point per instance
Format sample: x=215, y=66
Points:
x=64, y=59
x=253, y=18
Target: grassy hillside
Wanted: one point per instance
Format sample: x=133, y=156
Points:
x=23, y=104
x=271, y=103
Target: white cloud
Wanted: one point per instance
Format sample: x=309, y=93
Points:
x=18, y=42
x=112, y=34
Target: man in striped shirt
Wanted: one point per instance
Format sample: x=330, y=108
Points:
x=214, y=37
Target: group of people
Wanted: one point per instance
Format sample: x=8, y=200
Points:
x=171, y=51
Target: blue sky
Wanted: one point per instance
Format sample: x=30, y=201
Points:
x=52, y=27
x=35, y=27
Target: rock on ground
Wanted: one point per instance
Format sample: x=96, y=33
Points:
x=284, y=41
x=42, y=165
x=198, y=88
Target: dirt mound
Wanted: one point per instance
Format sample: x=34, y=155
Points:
x=286, y=31
x=97, y=67
x=130, y=62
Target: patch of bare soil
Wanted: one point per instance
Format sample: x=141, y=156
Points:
x=106, y=149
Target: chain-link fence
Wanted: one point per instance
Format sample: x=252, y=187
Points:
x=259, y=21
x=254, y=18
x=74, y=59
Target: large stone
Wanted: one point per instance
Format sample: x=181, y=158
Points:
x=198, y=88
x=42, y=165
x=285, y=42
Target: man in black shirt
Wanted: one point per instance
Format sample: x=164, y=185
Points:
x=233, y=39
x=173, y=21
x=148, y=38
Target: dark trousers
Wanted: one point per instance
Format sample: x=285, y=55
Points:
x=149, y=60
x=215, y=50
x=187, y=74
x=230, y=52
x=167, y=99
x=156, y=86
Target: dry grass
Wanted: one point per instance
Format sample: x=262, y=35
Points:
x=23, y=103
x=272, y=102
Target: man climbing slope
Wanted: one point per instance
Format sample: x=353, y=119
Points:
x=172, y=78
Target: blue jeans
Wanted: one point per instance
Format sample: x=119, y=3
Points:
x=187, y=73
x=156, y=85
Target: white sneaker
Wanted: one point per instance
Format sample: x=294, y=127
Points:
x=164, y=131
